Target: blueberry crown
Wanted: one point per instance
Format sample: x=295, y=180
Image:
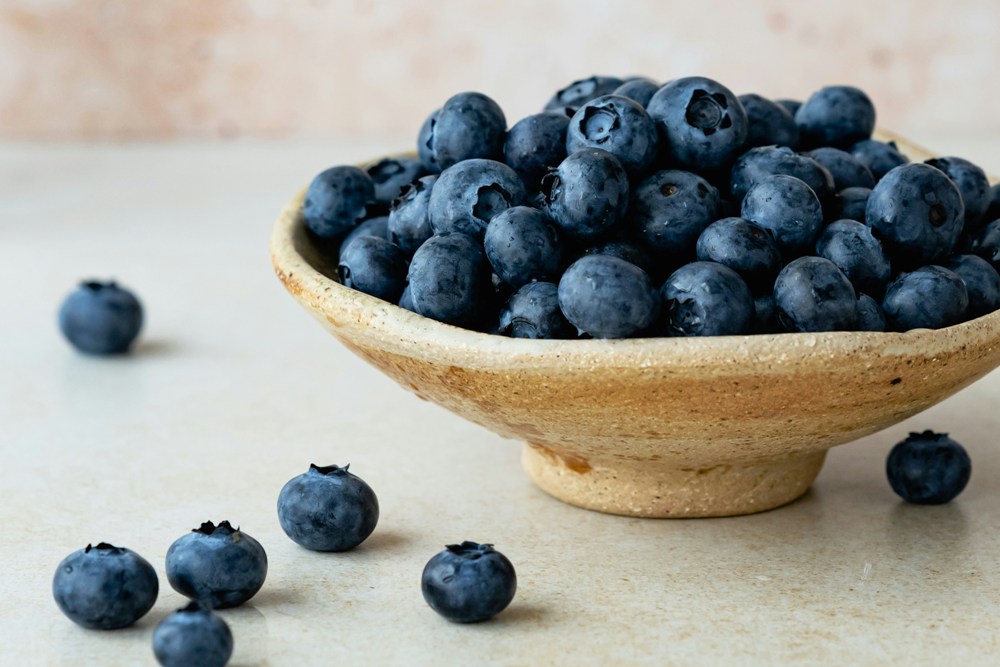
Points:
x=470, y=549
x=927, y=435
x=194, y=607
x=329, y=470
x=209, y=528
x=97, y=285
x=102, y=546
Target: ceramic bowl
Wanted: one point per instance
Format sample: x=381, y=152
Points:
x=657, y=427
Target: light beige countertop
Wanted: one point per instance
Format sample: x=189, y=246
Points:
x=233, y=389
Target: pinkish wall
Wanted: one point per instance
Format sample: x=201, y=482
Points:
x=179, y=68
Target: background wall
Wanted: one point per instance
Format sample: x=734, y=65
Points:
x=100, y=69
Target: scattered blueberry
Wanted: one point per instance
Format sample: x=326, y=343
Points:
x=836, y=116
x=788, y=208
x=522, y=246
x=870, y=315
x=849, y=204
x=706, y=299
x=392, y=174
x=536, y=144
x=587, y=194
x=639, y=89
x=409, y=222
x=759, y=163
x=928, y=468
x=971, y=182
x=932, y=297
x=812, y=294
x=607, y=297
x=100, y=318
x=852, y=247
x=578, y=93
x=847, y=170
x=743, y=247
x=105, y=587
x=770, y=123
x=468, y=126
x=337, y=200
x=448, y=275
x=468, y=582
x=217, y=564
x=533, y=312
x=377, y=227
x=982, y=282
x=467, y=196
x=880, y=157
x=618, y=125
x=193, y=636
x=327, y=509
x=374, y=266
x=669, y=210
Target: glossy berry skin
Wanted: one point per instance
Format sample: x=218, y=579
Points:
x=928, y=468
x=522, y=246
x=931, y=297
x=193, y=636
x=759, y=163
x=917, y=213
x=409, y=222
x=536, y=144
x=607, y=297
x=985, y=243
x=846, y=170
x=468, y=195
x=743, y=247
x=374, y=266
x=448, y=276
x=982, y=282
x=851, y=246
x=770, y=124
x=587, y=195
x=788, y=209
x=706, y=299
x=105, y=587
x=468, y=582
x=220, y=566
x=578, y=93
x=468, y=126
x=392, y=174
x=870, y=315
x=100, y=318
x=377, y=227
x=849, y=204
x=972, y=183
x=836, y=116
x=669, y=210
x=702, y=125
x=812, y=294
x=337, y=200
x=618, y=125
x=880, y=157
x=533, y=312
x=639, y=89
x=327, y=509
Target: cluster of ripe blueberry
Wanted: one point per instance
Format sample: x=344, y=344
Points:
x=627, y=208
x=218, y=566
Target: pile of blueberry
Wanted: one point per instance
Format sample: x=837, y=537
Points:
x=627, y=208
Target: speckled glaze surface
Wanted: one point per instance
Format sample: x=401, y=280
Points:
x=664, y=427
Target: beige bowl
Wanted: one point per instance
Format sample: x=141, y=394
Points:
x=659, y=427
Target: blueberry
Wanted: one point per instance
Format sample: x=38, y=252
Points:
x=447, y=277
x=928, y=468
x=409, y=222
x=916, y=211
x=849, y=204
x=578, y=93
x=467, y=196
x=522, y=246
x=701, y=123
x=374, y=266
x=193, y=636
x=100, y=318
x=870, y=315
x=468, y=126
x=327, y=509
x=105, y=587
x=533, y=312
x=536, y=144
x=759, y=163
x=337, y=200
x=639, y=89
x=993, y=209
x=377, y=227
x=812, y=294
x=623, y=249
x=618, y=125
x=788, y=208
x=982, y=282
x=791, y=106
x=836, y=116
x=587, y=194
x=406, y=301
x=765, y=315
x=985, y=243
x=971, y=182
x=770, y=123
x=669, y=210
x=706, y=299
x=219, y=565
x=847, y=170
x=932, y=297
x=607, y=297
x=852, y=247
x=880, y=157
x=743, y=247
x=425, y=151
x=468, y=582
x=392, y=174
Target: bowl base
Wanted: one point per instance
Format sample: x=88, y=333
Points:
x=661, y=489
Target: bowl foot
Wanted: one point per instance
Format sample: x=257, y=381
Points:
x=662, y=489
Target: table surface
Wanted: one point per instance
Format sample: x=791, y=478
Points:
x=233, y=389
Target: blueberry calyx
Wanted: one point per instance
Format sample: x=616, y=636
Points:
x=549, y=187
x=490, y=201
x=329, y=470
x=470, y=550
x=194, y=607
x=927, y=435
x=598, y=122
x=707, y=112
x=97, y=285
x=102, y=546
x=209, y=528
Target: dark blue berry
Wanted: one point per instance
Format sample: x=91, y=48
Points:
x=639, y=89
x=533, y=312
x=836, y=116
x=467, y=196
x=337, y=200
x=607, y=297
x=870, y=315
x=759, y=163
x=788, y=208
x=578, y=93
x=743, y=247
x=629, y=251
x=770, y=123
x=425, y=150
x=522, y=246
x=618, y=125
x=928, y=468
x=812, y=294
x=219, y=565
x=849, y=204
x=193, y=636
x=448, y=275
x=392, y=174
x=468, y=126
x=880, y=157
x=377, y=227
x=100, y=318
x=982, y=282
x=706, y=299
x=406, y=301
x=409, y=222
x=765, y=315
x=985, y=243
x=327, y=509
x=932, y=297
x=374, y=266
x=972, y=183
x=993, y=208
x=105, y=587
x=791, y=106
x=587, y=195
x=847, y=170
x=536, y=144
x=468, y=582
x=852, y=247
x=669, y=210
